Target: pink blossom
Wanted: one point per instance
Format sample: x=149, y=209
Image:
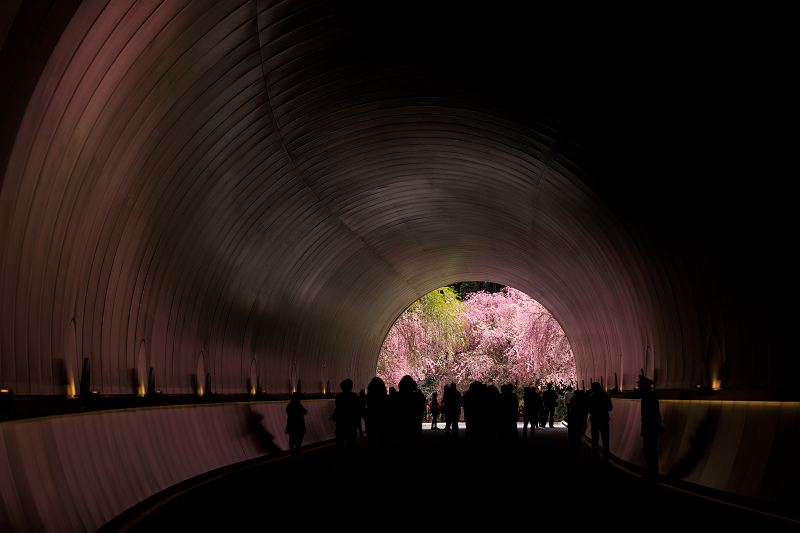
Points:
x=506, y=337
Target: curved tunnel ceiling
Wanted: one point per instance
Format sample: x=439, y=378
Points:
x=277, y=181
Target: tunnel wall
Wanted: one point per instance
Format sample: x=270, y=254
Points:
x=744, y=448
x=204, y=184
x=77, y=472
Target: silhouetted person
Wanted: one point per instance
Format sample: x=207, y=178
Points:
x=541, y=411
x=408, y=412
x=376, y=415
x=532, y=404
x=347, y=416
x=599, y=406
x=550, y=400
x=392, y=418
x=473, y=412
x=651, y=427
x=585, y=423
x=567, y=397
x=452, y=410
x=362, y=402
x=494, y=413
x=423, y=407
x=435, y=410
x=295, y=422
x=509, y=406
x=575, y=426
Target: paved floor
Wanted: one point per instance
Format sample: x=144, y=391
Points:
x=443, y=485
x=427, y=425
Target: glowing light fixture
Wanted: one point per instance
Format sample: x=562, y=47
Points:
x=198, y=377
x=90, y=397
x=6, y=396
x=703, y=390
x=152, y=394
x=209, y=394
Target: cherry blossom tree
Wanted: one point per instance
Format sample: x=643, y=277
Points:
x=505, y=337
x=424, y=340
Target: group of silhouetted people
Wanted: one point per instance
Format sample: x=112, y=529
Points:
x=537, y=408
x=396, y=413
x=491, y=416
x=583, y=404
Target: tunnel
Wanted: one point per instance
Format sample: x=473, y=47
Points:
x=242, y=196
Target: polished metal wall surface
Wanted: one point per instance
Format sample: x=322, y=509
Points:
x=743, y=448
x=241, y=179
x=77, y=472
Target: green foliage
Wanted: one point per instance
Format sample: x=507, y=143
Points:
x=561, y=409
x=441, y=313
x=429, y=385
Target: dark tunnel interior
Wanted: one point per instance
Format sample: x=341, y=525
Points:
x=250, y=188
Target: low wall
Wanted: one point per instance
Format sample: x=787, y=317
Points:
x=77, y=472
x=745, y=448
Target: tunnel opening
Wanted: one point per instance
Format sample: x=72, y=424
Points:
x=496, y=335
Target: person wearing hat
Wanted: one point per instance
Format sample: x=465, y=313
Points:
x=651, y=427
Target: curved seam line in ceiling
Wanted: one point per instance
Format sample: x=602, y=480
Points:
x=302, y=177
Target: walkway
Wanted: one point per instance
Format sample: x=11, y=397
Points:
x=530, y=485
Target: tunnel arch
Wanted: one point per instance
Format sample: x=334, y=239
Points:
x=264, y=180
x=201, y=176
x=442, y=139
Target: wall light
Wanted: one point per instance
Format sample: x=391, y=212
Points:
x=703, y=390
x=210, y=394
x=90, y=397
x=152, y=394
x=5, y=400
